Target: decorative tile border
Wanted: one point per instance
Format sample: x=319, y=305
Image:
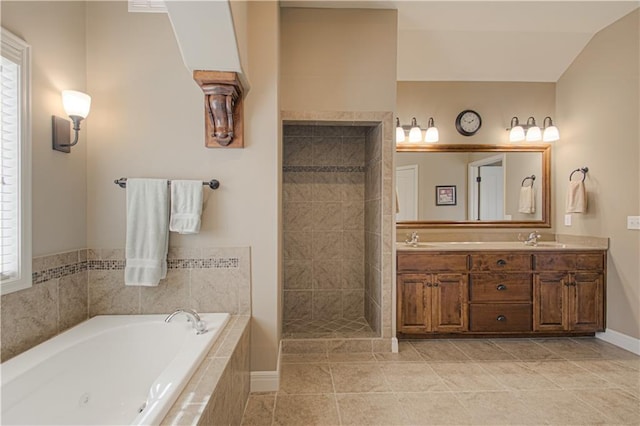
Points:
x=58, y=272
x=323, y=169
x=118, y=265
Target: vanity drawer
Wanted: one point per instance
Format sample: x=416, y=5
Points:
x=501, y=262
x=569, y=261
x=424, y=262
x=514, y=287
x=496, y=317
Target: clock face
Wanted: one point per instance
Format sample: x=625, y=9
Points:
x=468, y=122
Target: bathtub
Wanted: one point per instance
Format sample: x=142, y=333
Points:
x=109, y=370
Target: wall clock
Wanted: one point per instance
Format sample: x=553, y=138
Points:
x=468, y=122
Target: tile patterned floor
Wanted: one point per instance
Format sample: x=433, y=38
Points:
x=321, y=329
x=457, y=382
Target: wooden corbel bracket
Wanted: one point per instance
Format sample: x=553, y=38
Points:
x=223, y=106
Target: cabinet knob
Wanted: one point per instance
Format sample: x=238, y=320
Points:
x=501, y=287
x=428, y=284
x=501, y=262
x=435, y=285
x=501, y=318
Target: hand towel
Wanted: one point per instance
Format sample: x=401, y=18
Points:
x=147, y=240
x=186, y=206
x=576, y=197
x=527, y=202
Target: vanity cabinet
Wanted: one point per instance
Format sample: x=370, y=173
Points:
x=433, y=302
x=523, y=292
x=569, y=292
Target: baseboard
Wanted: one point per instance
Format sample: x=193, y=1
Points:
x=620, y=340
x=267, y=381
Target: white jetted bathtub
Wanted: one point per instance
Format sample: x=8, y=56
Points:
x=110, y=370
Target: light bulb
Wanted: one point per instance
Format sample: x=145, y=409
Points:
x=415, y=134
x=533, y=134
x=432, y=135
x=551, y=132
x=516, y=134
x=399, y=131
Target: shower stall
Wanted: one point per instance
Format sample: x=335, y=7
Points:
x=332, y=230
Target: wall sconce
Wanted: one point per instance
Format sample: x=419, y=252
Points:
x=76, y=105
x=415, y=132
x=531, y=132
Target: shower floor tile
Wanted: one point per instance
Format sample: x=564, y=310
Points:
x=319, y=329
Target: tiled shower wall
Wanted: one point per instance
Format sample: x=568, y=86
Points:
x=373, y=228
x=70, y=287
x=323, y=196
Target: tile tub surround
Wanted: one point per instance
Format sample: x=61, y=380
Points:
x=72, y=286
x=56, y=301
x=217, y=392
x=480, y=381
x=204, y=279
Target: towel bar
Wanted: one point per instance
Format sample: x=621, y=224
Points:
x=532, y=177
x=583, y=170
x=213, y=183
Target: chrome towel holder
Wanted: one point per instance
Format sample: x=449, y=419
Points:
x=213, y=183
x=582, y=170
x=532, y=178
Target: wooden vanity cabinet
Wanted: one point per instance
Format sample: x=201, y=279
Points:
x=528, y=293
x=569, y=292
x=434, y=302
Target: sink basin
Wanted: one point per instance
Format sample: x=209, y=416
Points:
x=485, y=245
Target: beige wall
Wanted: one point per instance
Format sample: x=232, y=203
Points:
x=597, y=104
x=338, y=59
x=496, y=102
x=149, y=122
x=56, y=33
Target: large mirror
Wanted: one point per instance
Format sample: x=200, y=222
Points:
x=497, y=186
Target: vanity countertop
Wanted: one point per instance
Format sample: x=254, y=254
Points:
x=495, y=246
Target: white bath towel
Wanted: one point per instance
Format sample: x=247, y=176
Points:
x=527, y=202
x=147, y=231
x=576, y=197
x=186, y=206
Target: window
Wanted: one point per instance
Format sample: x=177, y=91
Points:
x=15, y=165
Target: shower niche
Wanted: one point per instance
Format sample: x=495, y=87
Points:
x=332, y=230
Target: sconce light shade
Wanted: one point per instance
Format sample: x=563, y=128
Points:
x=415, y=134
x=77, y=106
x=399, y=131
x=432, y=134
x=533, y=131
x=516, y=134
x=76, y=103
x=551, y=132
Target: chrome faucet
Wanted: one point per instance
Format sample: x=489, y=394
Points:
x=532, y=239
x=412, y=240
x=193, y=317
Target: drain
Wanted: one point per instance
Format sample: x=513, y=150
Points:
x=142, y=407
x=84, y=399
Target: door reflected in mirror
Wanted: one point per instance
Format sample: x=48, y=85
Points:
x=497, y=186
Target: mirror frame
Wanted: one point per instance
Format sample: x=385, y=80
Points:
x=545, y=149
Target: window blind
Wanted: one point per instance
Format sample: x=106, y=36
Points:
x=10, y=178
x=15, y=164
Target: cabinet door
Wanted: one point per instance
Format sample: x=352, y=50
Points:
x=550, y=296
x=414, y=314
x=449, y=310
x=586, y=310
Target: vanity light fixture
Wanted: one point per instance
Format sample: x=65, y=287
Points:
x=531, y=132
x=76, y=105
x=550, y=133
x=415, y=132
x=432, y=135
x=399, y=131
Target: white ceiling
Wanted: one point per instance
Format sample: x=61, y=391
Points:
x=490, y=40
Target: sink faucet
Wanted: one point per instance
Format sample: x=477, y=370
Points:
x=193, y=317
x=532, y=239
x=413, y=239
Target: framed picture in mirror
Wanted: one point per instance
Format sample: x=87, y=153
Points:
x=446, y=195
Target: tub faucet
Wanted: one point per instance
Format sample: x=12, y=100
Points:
x=532, y=239
x=193, y=317
x=413, y=239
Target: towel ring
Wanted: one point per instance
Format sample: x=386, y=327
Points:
x=582, y=170
x=532, y=177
